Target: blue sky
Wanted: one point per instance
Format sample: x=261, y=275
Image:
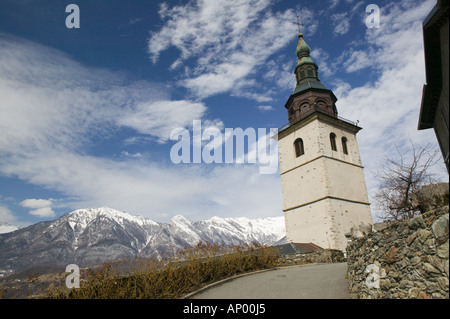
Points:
x=86, y=113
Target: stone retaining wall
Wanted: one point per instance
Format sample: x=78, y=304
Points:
x=407, y=259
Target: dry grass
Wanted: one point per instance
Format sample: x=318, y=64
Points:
x=172, y=277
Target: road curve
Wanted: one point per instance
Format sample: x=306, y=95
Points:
x=313, y=281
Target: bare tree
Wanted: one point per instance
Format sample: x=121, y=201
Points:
x=402, y=177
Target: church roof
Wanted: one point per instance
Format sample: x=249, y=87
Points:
x=309, y=85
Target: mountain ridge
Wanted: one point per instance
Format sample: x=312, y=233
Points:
x=95, y=235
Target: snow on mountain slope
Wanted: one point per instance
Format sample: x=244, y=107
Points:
x=238, y=230
x=91, y=236
x=82, y=217
x=183, y=228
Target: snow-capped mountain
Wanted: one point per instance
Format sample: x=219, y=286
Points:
x=7, y=228
x=92, y=236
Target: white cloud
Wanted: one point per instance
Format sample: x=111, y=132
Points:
x=135, y=155
x=265, y=108
x=356, y=60
x=45, y=212
x=227, y=39
x=281, y=73
x=154, y=190
x=64, y=104
x=159, y=118
x=199, y=26
x=341, y=23
x=6, y=215
x=333, y=3
x=36, y=203
x=321, y=58
x=40, y=207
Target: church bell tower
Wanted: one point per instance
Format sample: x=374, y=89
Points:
x=323, y=185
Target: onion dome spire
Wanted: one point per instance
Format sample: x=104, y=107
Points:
x=306, y=70
x=303, y=49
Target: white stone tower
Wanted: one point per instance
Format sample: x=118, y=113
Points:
x=324, y=190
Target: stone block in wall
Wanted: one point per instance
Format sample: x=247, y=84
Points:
x=440, y=228
x=415, y=223
x=390, y=255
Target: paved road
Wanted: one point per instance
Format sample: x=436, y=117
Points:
x=317, y=281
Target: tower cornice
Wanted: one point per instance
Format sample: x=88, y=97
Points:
x=339, y=122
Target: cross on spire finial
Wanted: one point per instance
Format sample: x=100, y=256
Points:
x=300, y=34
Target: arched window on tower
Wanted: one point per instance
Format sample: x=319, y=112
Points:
x=299, y=147
x=333, y=141
x=344, y=145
